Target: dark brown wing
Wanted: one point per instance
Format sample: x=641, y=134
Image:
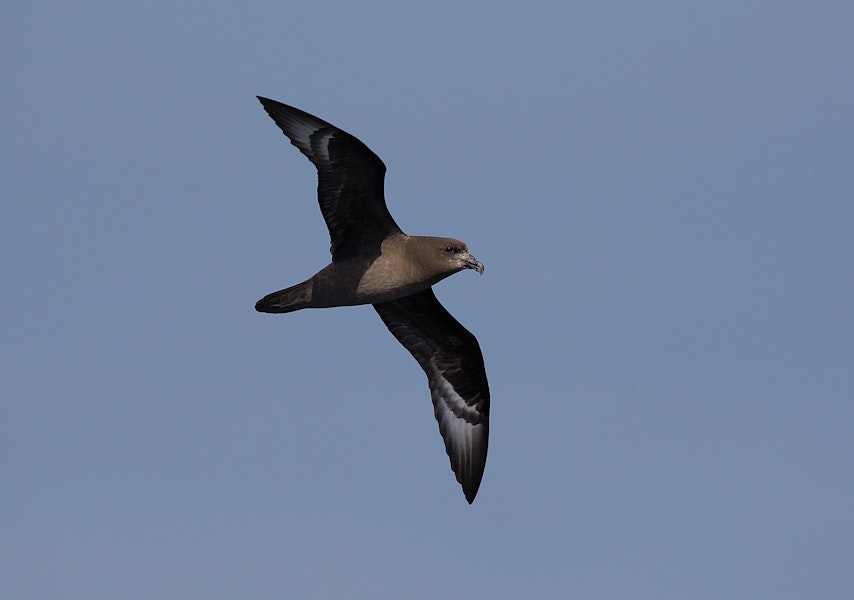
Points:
x=451, y=358
x=349, y=180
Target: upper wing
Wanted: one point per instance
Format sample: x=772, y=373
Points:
x=349, y=180
x=451, y=358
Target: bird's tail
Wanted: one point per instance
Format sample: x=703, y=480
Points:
x=287, y=300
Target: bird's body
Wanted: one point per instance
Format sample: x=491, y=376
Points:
x=374, y=262
x=396, y=271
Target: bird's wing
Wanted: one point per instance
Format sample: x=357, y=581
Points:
x=451, y=358
x=349, y=180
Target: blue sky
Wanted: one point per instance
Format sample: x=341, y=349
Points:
x=662, y=194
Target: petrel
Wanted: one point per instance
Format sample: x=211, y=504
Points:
x=374, y=262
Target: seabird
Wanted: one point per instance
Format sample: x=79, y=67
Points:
x=374, y=262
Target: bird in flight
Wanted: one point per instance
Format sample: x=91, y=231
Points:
x=374, y=262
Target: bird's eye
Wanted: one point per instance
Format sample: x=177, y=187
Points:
x=453, y=250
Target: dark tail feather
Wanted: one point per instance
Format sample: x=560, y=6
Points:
x=287, y=300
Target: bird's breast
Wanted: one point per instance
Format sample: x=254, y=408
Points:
x=389, y=278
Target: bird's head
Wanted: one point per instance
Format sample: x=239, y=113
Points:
x=458, y=253
x=435, y=258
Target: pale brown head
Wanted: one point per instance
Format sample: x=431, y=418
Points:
x=458, y=254
x=438, y=258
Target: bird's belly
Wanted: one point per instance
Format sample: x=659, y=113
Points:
x=388, y=279
x=359, y=282
x=371, y=293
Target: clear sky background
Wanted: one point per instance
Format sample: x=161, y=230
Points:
x=663, y=196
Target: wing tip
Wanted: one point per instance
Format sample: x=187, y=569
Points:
x=469, y=476
x=470, y=492
x=470, y=481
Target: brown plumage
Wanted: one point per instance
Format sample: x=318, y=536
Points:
x=374, y=262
